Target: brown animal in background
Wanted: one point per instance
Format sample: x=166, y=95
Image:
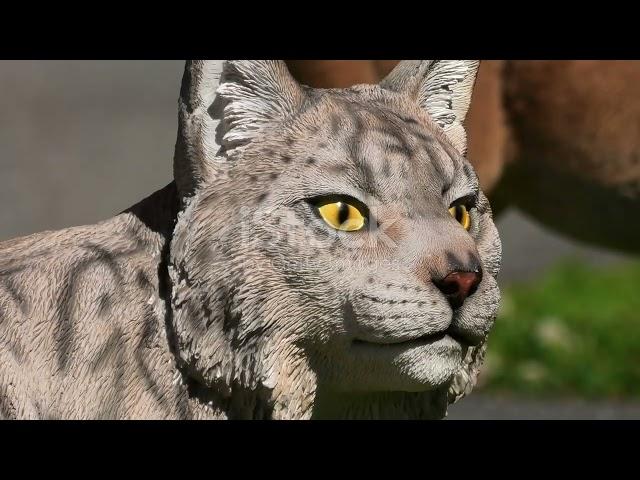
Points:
x=560, y=140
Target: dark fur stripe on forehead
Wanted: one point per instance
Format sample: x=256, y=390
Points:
x=442, y=163
x=366, y=177
x=399, y=141
x=397, y=138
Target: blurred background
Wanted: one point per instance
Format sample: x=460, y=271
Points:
x=82, y=140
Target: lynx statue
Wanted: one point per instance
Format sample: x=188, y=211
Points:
x=319, y=254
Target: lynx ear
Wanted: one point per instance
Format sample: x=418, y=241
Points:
x=222, y=106
x=442, y=87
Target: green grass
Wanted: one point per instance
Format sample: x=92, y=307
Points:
x=573, y=332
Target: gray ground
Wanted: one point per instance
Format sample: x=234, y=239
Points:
x=479, y=406
x=82, y=140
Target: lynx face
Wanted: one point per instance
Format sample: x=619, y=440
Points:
x=344, y=236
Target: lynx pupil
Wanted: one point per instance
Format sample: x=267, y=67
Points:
x=343, y=212
x=459, y=215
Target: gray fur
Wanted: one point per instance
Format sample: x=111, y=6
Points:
x=224, y=296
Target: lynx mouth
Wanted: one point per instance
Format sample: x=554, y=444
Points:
x=424, y=339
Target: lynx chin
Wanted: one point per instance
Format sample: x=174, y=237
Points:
x=321, y=253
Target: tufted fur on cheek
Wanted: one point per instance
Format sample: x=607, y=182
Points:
x=234, y=320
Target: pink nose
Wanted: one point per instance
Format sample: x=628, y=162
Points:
x=457, y=286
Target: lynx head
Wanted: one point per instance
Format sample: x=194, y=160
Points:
x=334, y=255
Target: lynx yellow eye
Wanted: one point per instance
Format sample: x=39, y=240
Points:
x=461, y=214
x=342, y=216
